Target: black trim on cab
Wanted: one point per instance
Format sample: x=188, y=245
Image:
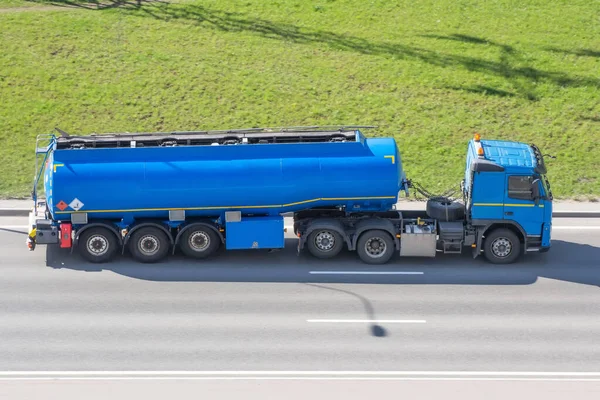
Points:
x=479, y=165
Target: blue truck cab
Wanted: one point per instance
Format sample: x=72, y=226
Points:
x=507, y=197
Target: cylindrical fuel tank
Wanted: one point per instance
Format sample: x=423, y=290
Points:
x=209, y=180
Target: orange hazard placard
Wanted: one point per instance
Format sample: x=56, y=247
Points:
x=62, y=205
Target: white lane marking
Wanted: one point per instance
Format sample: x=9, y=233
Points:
x=298, y=378
x=578, y=228
x=302, y=375
x=367, y=272
x=387, y=321
x=576, y=211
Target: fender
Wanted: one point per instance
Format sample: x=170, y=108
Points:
x=325, y=223
x=375, y=223
x=194, y=224
x=484, y=225
x=142, y=225
x=96, y=224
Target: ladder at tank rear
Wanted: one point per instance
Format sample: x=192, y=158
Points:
x=43, y=145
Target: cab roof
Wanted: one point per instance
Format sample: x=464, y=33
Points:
x=509, y=155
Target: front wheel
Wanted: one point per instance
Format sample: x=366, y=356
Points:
x=375, y=247
x=502, y=246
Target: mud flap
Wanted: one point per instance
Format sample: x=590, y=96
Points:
x=476, y=251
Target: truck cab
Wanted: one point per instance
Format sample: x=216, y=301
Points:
x=507, y=196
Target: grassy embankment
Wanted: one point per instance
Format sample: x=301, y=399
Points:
x=429, y=73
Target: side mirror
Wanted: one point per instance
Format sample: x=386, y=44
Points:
x=535, y=191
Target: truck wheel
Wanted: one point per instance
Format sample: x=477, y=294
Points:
x=375, y=247
x=149, y=244
x=97, y=244
x=444, y=209
x=325, y=243
x=199, y=242
x=502, y=246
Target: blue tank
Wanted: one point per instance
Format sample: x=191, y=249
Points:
x=148, y=175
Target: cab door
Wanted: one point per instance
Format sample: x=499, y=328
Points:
x=520, y=205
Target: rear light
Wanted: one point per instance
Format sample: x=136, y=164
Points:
x=65, y=235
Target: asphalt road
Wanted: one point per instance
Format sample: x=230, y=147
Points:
x=258, y=311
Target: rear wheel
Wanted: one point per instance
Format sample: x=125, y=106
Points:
x=375, y=247
x=325, y=243
x=502, y=246
x=97, y=244
x=199, y=242
x=149, y=244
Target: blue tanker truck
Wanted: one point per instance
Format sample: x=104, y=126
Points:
x=152, y=194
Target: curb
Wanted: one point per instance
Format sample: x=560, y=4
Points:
x=576, y=214
x=14, y=212
x=24, y=212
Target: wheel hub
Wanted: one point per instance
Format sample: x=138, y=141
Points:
x=199, y=241
x=324, y=241
x=97, y=245
x=501, y=247
x=375, y=247
x=149, y=244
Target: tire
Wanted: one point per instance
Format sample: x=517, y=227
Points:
x=199, y=242
x=97, y=244
x=445, y=210
x=149, y=244
x=325, y=243
x=370, y=244
x=501, y=246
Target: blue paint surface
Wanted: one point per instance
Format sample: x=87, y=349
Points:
x=488, y=195
x=255, y=233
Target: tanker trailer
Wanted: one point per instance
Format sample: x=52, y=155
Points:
x=196, y=191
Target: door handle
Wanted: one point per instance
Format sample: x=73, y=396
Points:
x=509, y=213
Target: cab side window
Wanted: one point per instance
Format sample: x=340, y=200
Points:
x=519, y=187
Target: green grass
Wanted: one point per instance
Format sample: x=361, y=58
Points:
x=430, y=73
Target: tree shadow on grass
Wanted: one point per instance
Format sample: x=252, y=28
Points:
x=522, y=78
x=485, y=90
x=97, y=4
x=579, y=53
